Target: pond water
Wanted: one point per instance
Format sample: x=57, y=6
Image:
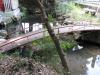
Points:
x=85, y=61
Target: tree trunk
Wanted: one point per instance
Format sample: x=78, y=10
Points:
x=54, y=38
x=30, y=27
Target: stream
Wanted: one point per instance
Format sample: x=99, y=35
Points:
x=85, y=61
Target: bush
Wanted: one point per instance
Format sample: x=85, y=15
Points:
x=67, y=45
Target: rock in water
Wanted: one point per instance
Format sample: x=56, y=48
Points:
x=77, y=47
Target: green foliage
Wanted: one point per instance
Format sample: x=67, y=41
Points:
x=2, y=55
x=24, y=11
x=75, y=12
x=78, y=14
x=16, y=53
x=50, y=18
x=60, y=7
x=25, y=14
x=27, y=53
x=47, y=51
x=44, y=43
x=70, y=6
x=48, y=54
x=66, y=45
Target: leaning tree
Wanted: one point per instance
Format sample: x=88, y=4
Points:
x=42, y=5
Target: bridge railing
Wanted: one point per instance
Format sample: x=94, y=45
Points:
x=40, y=27
x=25, y=30
x=37, y=27
x=23, y=39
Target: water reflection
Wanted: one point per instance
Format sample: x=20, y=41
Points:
x=93, y=67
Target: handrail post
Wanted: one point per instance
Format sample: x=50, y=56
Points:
x=58, y=32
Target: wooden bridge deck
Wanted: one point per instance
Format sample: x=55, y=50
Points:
x=23, y=39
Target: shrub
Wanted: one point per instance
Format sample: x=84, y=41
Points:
x=66, y=45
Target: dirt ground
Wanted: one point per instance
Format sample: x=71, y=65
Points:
x=23, y=66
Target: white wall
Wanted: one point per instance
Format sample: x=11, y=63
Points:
x=25, y=27
x=7, y=5
x=10, y=4
x=15, y=4
x=37, y=26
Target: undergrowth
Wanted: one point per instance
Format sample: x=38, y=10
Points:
x=46, y=54
x=75, y=12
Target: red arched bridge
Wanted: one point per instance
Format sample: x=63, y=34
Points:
x=25, y=38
